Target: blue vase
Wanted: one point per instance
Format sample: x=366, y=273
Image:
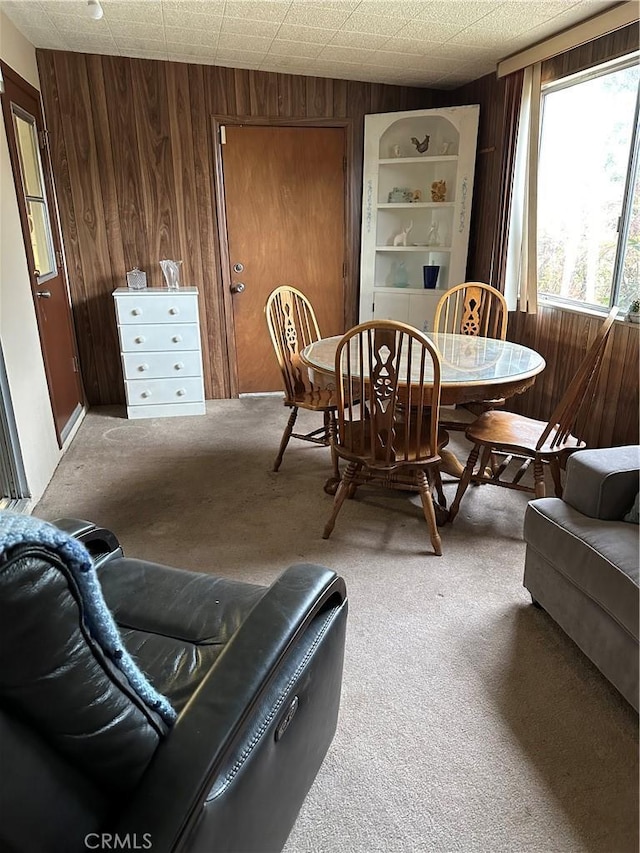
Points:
x=430, y=276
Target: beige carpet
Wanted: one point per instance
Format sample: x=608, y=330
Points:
x=469, y=721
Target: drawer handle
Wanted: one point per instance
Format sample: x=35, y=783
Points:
x=140, y=339
x=143, y=367
x=181, y=392
x=179, y=365
x=145, y=394
x=174, y=310
x=176, y=339
x=137, y=312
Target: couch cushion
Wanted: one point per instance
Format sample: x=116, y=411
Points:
x=599, y=557
x=175, y=623
x=602, y=482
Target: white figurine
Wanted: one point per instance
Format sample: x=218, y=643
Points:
x=401, y=238
x=433, y=238
x=396, y=151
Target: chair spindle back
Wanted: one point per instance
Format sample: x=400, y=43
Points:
x=388, y=374
x=472, y=308
x=292, y=326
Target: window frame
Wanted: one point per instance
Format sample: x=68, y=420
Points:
x=633, y=164
x=17, y=112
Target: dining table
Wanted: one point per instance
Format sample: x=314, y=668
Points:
x=472, y=370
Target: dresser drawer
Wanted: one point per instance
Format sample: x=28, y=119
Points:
x=142, y=392
x=156, y=308
x=155, y=365
x=159, y=338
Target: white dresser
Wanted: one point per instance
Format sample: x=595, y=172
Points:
x=160, y=349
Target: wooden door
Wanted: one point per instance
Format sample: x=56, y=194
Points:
x=34, y=189
x=285, y=210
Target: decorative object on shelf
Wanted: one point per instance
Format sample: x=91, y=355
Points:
x=439, y=191
x=400, y=195
x=433, y=237
x=396, y=151
x=430, y=276
x=633, y=314
x=136, y=279
x=444, y=148
x=421, y=147
x=171, y=273
x=399, y=274
x=416, y=196
x=401, y=238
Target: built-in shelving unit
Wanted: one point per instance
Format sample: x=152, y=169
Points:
x=425, y=194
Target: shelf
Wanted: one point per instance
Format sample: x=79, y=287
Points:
x=448, y=158
x=422, y=249
x=392, y=204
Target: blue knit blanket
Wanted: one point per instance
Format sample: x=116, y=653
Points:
x=26, y=530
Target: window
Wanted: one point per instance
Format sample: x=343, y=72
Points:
x=34, y=194
x=588, y=248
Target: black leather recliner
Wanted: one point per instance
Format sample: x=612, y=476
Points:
x=254, y=673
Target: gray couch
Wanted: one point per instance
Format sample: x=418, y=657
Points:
x=581, y=561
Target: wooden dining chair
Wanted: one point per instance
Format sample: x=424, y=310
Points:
x=292, y=326
x=470, y=308
x=518, y=437
x=388, y=395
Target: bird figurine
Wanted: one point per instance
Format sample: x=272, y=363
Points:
x=421, y=147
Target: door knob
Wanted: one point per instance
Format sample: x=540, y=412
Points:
x=237, y=287
x=43, y=294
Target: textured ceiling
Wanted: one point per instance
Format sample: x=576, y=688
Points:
x=415, y=42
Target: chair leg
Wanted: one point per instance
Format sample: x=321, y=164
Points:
x=331, y=486
x=538, y=477
x=327, y=417
x=285, y=437
x=555, y=473
x=333, y=433
x=429, y=512
x=341, y=496
x=464, y=481
x=487, y=461
x=434, y=475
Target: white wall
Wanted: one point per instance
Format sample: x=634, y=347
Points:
x=18, y=327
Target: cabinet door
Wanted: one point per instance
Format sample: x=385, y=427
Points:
x=417, y=189
x=391, y=306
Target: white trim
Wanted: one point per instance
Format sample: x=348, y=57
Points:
x=613, y=19
x=545, y=301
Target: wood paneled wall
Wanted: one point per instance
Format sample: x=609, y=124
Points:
x=131, y=147
x=560, y=336
x=489, y=92
x=616, y=44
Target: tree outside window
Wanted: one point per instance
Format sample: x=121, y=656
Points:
x=588, y=189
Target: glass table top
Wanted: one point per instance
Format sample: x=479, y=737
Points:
x=465, y=359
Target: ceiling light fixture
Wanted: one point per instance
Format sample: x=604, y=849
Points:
x=94, y=9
